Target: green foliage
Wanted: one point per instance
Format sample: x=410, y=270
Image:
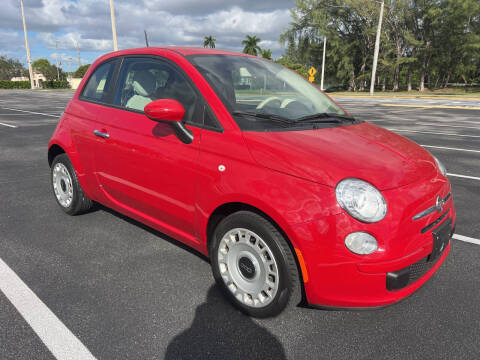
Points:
x=48, y=70
x=427, y=42
x=299, y=68
x=11, y=68
x=80, y=72
x=54, y=84
x=266, y=54
x=209, y=41
x=7, y=84
x=250, y=45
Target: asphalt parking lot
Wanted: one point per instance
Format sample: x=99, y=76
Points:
x=108, y=287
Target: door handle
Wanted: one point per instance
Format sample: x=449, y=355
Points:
x=101, y=134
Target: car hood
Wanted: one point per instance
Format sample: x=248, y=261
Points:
x=328, y=155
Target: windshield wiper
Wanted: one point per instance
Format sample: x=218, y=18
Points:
x=272, y=117
x=325, y=118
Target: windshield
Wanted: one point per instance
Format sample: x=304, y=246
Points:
x=263, y=95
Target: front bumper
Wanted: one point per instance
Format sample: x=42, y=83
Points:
x=337, y=278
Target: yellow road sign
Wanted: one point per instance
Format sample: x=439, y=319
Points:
x=312, y=71
x=311, y=79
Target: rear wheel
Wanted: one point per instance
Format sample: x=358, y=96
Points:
x=66, y=188
x=253, y=264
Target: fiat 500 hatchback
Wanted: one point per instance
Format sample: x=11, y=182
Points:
x=291, y=198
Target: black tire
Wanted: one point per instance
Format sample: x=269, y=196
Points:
x=80, y=203
x=289, y=288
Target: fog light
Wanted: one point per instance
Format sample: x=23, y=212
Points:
x=361, y=243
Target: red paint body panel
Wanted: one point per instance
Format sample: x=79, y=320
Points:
x=346, y=152
x=144, y=171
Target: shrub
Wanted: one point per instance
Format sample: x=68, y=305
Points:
x=8, y=84
x=55, y=84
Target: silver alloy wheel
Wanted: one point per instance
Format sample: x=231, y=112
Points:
x=248, y=267
x=62, y=184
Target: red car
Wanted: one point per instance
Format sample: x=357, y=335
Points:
x=245, y=161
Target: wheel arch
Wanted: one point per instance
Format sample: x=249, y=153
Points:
x=53, y=151
x=226, y=209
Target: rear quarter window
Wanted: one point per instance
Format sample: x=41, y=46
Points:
x=98, y=83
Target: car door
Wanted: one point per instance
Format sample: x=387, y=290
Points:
x=141, y=165
x=82, y=115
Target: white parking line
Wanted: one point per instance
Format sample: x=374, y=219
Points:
x=435, y=133
x=466, y=239
x=31, y=112
x=453, y=126
x=54, y=334
x=464, y=176
x=12, y=126
x=449, y=148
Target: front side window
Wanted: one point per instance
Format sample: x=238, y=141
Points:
x=143, y=80
x=262, y=95
x=98, y=83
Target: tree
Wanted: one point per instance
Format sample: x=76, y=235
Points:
x=266, y=54
x=11, y=68
x=250, y=45
x=299, y=68
x=423, y=42
x=209, y=41
x=80, y=72
x=48, y=70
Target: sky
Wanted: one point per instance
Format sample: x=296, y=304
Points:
x=86, y=23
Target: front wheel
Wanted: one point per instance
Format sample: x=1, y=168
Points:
x=253, y=264
x=67, y=189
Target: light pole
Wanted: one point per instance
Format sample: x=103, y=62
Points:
x=146, y=38
x=323, y=61
x=114, y=28
x=78, y=52
x=29, y=61
x=377, y=49
x=56, y=56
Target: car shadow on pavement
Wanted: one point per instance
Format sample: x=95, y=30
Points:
x=219, y=331
x=152, y=231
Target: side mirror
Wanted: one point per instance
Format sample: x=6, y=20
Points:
x=170, y=110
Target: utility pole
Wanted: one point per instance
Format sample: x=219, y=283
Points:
x=56, y=56
x=377, y=49
x=78, y=52
x=29, y=61
x=146, y=38
x=323, y=61
x=114, y=28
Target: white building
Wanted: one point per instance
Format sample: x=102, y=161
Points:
x=38, y=79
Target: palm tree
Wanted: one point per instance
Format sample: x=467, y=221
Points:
x=209, y=41
x=250, y=45
x=266, y=54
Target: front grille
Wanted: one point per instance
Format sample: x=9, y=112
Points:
x=436, y=222
x=399, y=279
x=418, y=269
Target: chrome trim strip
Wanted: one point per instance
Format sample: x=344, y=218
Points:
x=425, y=212
x=430, y=209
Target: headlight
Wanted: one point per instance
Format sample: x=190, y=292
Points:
x=442, y=168
x=361, y=243
x=361, y=200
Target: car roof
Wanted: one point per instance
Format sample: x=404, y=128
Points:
x=182, y=50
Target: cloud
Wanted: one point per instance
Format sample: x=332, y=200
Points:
x=10, y=41
x=180, y=22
